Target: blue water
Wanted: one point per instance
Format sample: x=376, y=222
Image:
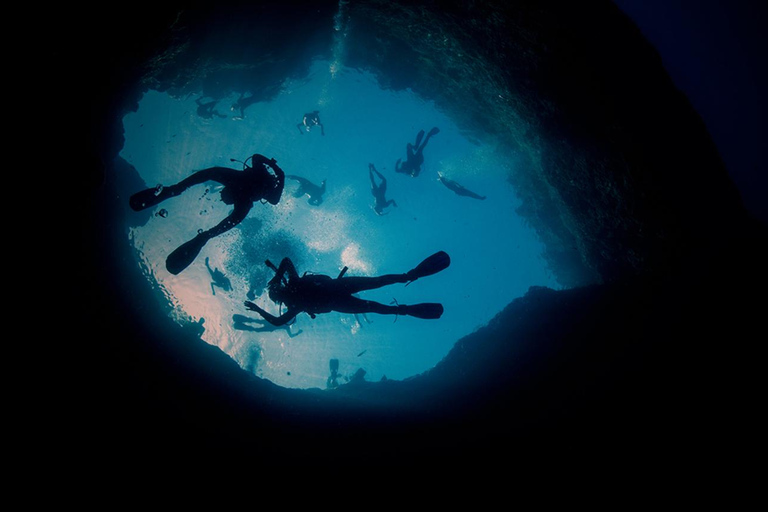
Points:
x=495, y=256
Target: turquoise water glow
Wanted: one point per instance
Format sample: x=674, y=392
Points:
x=495, y=256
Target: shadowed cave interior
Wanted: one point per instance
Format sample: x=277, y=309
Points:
x=649, y=245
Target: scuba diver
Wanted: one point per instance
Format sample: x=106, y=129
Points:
x=414, y=154
x=241, y=323
x=241, y=189
x=219, y=279
x=458, y=189
x=207, y=110
x=379, y=191
x=333, y=378
x=241, y=104
x=314, y=192
x=317, y=293
x=311, y=119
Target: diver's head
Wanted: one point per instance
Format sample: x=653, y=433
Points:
x=277, y=292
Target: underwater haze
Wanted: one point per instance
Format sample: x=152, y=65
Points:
x=495, y=255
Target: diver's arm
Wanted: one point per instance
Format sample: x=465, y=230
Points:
x=286, y=266
x=274, y=320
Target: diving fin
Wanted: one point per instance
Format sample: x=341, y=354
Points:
x=433, y=131
x=185, y=254
x=432, y=265
x=426, y=310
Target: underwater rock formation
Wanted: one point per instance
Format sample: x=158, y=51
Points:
x=617, y=173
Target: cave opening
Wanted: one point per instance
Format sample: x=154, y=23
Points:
x=496, y=255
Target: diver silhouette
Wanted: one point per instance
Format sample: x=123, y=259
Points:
x=314, y=192
x=219, y=279
x=242, y=323
x=241, y=104
x=414, y=154
x=310, y=120
x=207, y=110
x=333, y=378
x=458, y=189
x=241, y=189
x=317, y=293
x=379, y=191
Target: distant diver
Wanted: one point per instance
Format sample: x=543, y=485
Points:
x=308, y=188
x=414, y=154
x=219, y=279
x=310, y=120
x=379, y=191
x=317, y=293
x=458, y=189
x=207, y=110
x=243, y=323
x=241, y=104
x=241, y=189
x=333, y=378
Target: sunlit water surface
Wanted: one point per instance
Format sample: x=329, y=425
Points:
x=495, y=255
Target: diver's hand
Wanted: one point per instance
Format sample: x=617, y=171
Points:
x=251, y=306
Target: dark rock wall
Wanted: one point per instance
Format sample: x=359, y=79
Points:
x=619, y=172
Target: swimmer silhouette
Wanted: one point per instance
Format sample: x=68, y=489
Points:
x=206, y=110
x=317, y=293
x=333, y=378
x=414, y=154
x=314, y=192
x=219, y=279
x=310, y=120
x=379, y=191
x=241, y=189
x=458, y=189
x=241, y=104
x=241, y=322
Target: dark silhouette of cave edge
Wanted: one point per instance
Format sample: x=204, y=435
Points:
x=629, y=370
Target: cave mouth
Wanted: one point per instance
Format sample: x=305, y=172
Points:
x=496, y=256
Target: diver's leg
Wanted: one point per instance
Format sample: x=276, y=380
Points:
x=433, y=131
x=356, y=306
x=381, y=176
x=151, y=197
x=223, y=175
x=186, y=253
x=361, y=283
x=419, y=136
x=383, y=187
x=233, y=219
